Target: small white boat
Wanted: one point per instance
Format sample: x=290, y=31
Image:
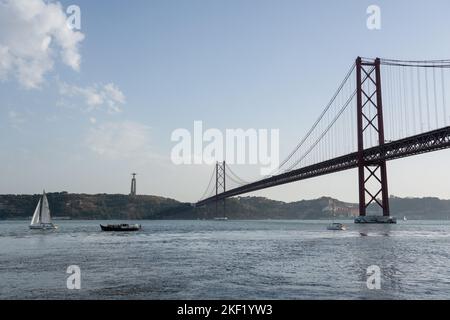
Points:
x=221, y=218
x=337, y=226
x=404, y=218
x=42, y=219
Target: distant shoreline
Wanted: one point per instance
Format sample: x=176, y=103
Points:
x=71, y=206
x=256, y=220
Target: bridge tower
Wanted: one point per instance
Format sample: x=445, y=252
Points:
x=220, y=185
x=372, y=175
x=133, y=185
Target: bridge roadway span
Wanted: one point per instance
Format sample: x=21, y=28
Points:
x=414, y=145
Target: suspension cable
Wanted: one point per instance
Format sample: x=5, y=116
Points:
x=323, y=134
x=209, y=184
x=235, y=175
x=320, y=117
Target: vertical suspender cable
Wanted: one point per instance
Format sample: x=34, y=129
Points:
x=419, y=95
x=405, y=101
x=444, y=105
x=400, y=105
x=391, y=104
x=435, y=98
x=413, y=104
x=428, y=99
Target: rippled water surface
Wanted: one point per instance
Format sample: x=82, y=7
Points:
x=226, y=260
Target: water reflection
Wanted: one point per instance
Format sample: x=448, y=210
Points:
x=379, y=247
x=366, y=230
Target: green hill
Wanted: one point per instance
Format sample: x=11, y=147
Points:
x=119, y=206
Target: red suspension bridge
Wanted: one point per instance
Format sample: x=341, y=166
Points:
x=383, y=110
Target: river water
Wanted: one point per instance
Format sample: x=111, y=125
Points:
x=226, y=260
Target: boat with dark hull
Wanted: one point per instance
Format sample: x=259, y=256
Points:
x=121, y=227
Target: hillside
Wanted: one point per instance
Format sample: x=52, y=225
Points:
x=85, y=206
x=118, y=206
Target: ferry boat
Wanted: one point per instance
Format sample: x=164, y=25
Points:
x=121, y=227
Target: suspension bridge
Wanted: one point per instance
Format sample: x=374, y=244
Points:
x=383, y=110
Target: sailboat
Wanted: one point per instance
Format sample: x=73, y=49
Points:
x=41, y=217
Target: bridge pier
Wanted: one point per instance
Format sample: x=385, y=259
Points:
x=372, y=176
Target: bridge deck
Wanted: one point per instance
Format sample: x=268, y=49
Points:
x=422, y=143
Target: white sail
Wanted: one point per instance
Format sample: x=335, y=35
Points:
x=35, y=220
x=41, y=217
x=45, y=211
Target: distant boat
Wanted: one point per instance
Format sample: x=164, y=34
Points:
x=337, y=226
x=221, y=218
x=121, y=227
x=41, y=218
x=404, y=218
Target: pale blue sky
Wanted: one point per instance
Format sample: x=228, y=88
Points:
x=231, y=64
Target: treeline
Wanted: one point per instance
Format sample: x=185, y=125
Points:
x=85, y=206
x=118, y=206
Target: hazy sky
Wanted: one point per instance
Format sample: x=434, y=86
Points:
x=81, y=110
